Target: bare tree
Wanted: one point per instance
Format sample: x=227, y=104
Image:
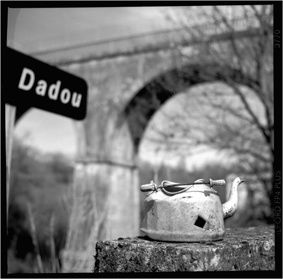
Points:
x=234, y=117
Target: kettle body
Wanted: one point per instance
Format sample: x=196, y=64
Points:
x=191, y=216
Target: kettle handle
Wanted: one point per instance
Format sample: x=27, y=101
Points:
x=153, y=187
x=219, y=182
x=148, y=187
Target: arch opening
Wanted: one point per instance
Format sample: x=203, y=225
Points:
x=154, y=94
x=50, y=133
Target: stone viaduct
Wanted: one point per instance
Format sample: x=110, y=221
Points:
x=128, y=81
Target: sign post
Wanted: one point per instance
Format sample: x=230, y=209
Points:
x=10, y=114
x=30, y=83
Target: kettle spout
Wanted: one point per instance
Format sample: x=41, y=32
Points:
x=231, y=205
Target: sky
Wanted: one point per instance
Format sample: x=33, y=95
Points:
x=52, y=28
x=48, y=132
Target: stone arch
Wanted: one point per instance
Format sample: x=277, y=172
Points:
x=149, y=99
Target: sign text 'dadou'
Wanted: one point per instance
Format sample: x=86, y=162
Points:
x=32, y=83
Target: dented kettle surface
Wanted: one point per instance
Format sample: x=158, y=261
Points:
x=193, y=215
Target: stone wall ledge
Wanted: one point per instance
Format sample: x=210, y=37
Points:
x=247, y=249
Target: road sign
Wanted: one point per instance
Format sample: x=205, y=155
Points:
x=32, y=83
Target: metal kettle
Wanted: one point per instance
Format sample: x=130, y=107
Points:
x=187, y=212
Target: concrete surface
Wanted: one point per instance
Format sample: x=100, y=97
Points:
x=242, y=249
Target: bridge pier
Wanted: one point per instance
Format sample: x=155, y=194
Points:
x=105, y=195
x=103, y=207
